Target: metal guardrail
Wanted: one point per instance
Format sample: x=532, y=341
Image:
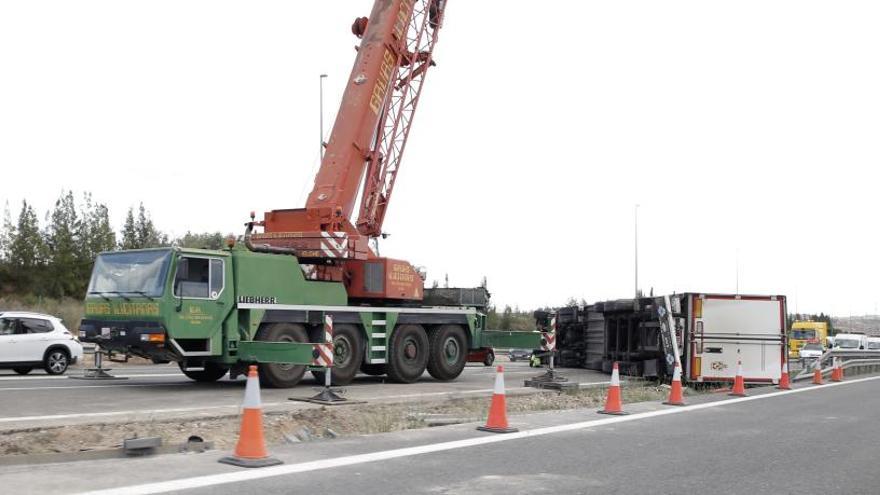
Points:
x=848, y=359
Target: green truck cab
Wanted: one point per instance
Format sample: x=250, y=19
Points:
x=216, y=312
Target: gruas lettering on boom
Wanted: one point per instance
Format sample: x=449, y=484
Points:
x=378, y=97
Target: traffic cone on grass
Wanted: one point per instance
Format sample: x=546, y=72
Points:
x=784, y=382
x=739, y=384
x=837, y=372
x=613, y=402
x=675, y=393
x=497, y=420
x=817, y=373
x=251, y=450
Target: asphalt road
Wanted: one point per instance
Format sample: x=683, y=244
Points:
x=816, y=440
x=151, y=392
x=824, y=441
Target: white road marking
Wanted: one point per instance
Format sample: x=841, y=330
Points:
x=104, y=414
x=112, y=413
x=67, y=377
x=14, y=389
x=240, y=476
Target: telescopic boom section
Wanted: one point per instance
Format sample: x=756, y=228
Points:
x=374, y=119
x=411, y=65
x=365, y=148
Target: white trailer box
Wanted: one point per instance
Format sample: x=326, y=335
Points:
x=727, y=329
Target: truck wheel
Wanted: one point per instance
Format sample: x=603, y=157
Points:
x=348, y=354
x=373, y=369
x=277, y=375
x=211, y=373
x=448, y=353
x=489, y=359
x=22, y=370
x=408, y=353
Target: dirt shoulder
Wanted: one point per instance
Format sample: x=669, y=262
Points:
x=310, y=424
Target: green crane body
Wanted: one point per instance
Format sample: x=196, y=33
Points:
x=214, y=311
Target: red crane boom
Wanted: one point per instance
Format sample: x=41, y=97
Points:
x=363, y=156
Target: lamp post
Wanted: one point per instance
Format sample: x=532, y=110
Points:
x=637, y=250
x=321, y=109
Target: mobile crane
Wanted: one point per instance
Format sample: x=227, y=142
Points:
x=264, y=300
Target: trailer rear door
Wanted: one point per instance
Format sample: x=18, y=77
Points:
x=726, y=329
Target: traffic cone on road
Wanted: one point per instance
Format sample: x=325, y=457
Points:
x=675, y=393
x=837, y=372
x=251, y=450
x=739, y=384
x=497, y=420
x=784, y=381
x=613, y=402
x=817, y=373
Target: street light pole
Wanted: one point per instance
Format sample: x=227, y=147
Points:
x=637, y=250
x=321, y=109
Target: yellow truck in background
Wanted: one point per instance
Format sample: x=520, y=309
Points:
x=806, y=332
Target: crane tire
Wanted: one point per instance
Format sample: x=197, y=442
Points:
x=448, y=352
x=277, y=375
x=407, y=353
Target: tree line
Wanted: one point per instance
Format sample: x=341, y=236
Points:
x=55, y=259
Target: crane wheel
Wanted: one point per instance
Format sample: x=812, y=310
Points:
x=407, y=353
x=276, y=375
x=211, y=373
x=448, y=352
x=373, y=369
x=348, y=354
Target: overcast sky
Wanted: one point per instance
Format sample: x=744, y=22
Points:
x=749, y=127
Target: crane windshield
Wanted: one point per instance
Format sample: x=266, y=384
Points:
x=131, y=273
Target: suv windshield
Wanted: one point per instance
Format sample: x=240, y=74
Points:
x=812, y=347
x=846, y=343
x=131, y=273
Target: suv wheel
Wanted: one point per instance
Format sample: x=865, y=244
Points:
x=56, y=361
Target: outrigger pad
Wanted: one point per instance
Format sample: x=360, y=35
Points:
x=328, y=397
x=97, y=374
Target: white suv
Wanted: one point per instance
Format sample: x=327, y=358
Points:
x=31, y=340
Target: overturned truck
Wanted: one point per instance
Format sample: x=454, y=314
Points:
x=707, y=333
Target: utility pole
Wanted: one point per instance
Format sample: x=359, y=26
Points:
x=321, y=109
x=637, y=250
x=737, y=271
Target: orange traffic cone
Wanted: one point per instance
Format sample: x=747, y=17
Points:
x=817, y=373
x=613, y=403
x=497, y=420
x=251, y=448
x=837, y=372
x=675, y=393
x=739, y=384
x=784, y=382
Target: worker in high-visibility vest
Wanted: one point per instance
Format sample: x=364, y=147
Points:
x=534, y=361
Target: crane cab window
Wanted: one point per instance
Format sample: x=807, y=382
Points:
x=198, y=278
